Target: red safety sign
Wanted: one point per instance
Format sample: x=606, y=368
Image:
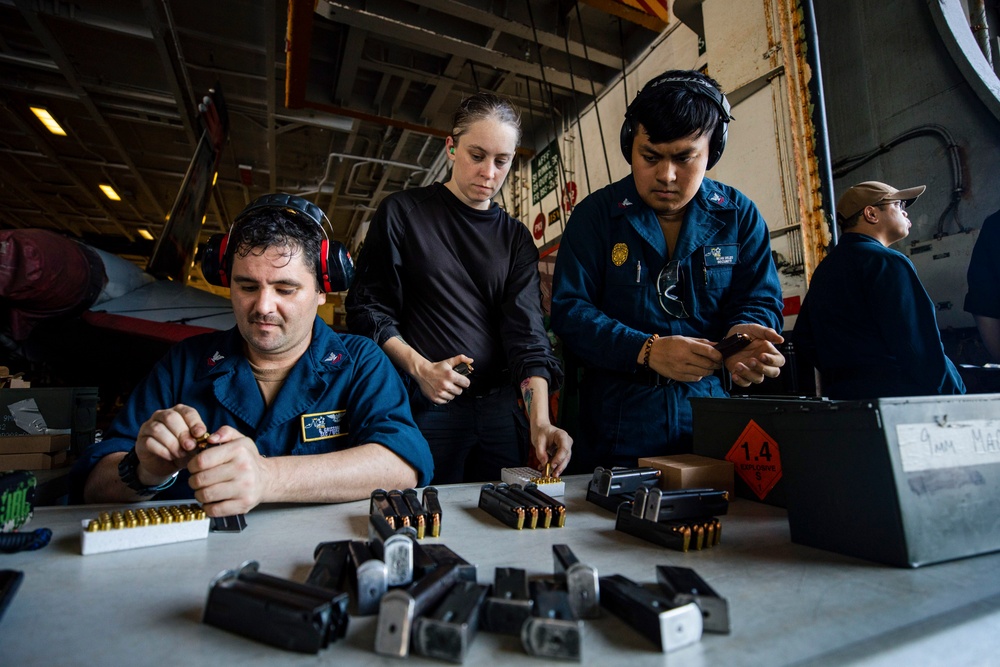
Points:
x=757, y=459
x=569, y=196
x=539, y=227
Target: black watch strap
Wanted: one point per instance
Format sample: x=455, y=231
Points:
x=128, y=471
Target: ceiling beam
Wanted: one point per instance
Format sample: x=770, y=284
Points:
x=520, y=30
x=426, y=40
x=165, y=40
x=630, y=14
x=353, y=50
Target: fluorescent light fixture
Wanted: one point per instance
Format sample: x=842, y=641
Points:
x=48, y=121
x=144, y=233
x=110, y=192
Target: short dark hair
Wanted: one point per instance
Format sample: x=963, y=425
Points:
x=267, y=228
x=853, y=221
x=670, y=112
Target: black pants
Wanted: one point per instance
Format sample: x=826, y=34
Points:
x=472, y=438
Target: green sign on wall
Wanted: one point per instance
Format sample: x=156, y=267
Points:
x=544, y=172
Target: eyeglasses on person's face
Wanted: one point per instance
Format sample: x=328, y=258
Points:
x=666, y=290
x=899, y=203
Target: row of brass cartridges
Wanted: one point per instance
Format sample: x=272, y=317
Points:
x=679, y=518
x=682, y=535
x=405, y=508
x=151, y=516
x=521, y=507
x=547, y=478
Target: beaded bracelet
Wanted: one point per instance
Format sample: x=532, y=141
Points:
x=649, y=348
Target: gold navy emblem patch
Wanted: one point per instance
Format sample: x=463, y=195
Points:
x=619, y=254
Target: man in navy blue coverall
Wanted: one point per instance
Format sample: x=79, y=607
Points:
x=293, y=411
x=867, y=323
x=654, y=270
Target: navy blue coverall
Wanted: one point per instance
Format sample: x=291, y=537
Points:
x=341, y=393
x=869, y=327
x=605, y=305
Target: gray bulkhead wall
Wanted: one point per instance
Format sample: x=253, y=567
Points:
x=887, y=71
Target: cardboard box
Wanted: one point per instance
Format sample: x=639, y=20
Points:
x=15, y=381
x=691, y=471
x=36, y=461
x=904, y=481
x=29, y=444
x=70, y=410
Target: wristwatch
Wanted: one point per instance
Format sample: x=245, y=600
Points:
x=128, y=470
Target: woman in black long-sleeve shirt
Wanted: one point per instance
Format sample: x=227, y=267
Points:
x=447, y=278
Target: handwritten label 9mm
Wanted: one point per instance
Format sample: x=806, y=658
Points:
x=932, y=446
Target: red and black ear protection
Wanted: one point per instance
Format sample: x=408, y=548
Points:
x=334, y=267
x=693, y=84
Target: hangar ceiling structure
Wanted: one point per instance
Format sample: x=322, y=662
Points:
x=340, y=101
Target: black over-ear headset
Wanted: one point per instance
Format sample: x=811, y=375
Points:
x=693, y=84
x=334, y=267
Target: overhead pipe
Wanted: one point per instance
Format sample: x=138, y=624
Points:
x=820, y=123
x=981, y=28
x=362, y=160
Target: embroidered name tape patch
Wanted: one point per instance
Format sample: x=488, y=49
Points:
x=323, y=425
x=722, y=255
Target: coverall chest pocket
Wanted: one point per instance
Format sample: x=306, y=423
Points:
x=710, y=287
x=717, y=277
x=712, y=276
x=625, y=290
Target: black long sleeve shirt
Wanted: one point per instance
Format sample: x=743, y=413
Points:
x=451, y=279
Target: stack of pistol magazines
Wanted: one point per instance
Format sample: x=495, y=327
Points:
x=522, y=506
x=680, y=519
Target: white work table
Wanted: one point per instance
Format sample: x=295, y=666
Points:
x=789, y=604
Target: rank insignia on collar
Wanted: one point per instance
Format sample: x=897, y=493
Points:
x=619, y=254
x=625, y=203
x=333, y=358
x=215, y=358
x=717, y=198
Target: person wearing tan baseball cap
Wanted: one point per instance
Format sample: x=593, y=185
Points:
x=867, y=323
x=858, y=210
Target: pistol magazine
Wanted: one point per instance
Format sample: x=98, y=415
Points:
x=370, y=580
x=417, y=511
x=553, y=631
x=287, y=614
x=433, y=508
x=697, y=534
x=447, y=632
x=380, y=505
x=653, y=615
x=683, y=585
x=609, y=488
x=581, y=581
x=509, y=604
x=401, y=606
x=394, y=547
x=500, y=506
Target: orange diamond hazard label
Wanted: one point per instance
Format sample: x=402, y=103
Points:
x=757, y=460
